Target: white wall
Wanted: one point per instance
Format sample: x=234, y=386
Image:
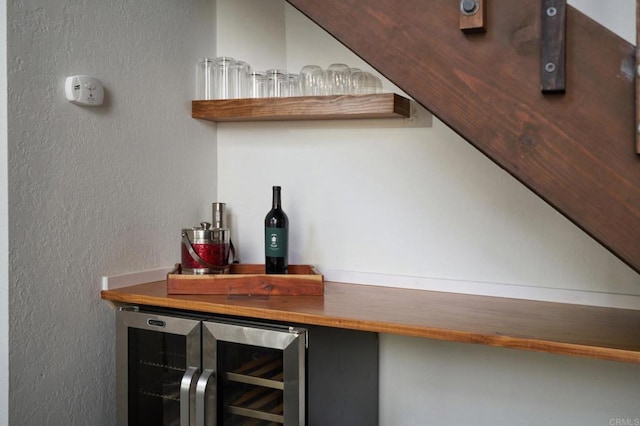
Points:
x=620, y=18
x=420, y=206
x=428, y=382
x=4, y=225
x=95, y=191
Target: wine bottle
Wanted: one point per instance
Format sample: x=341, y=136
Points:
x=276, y=236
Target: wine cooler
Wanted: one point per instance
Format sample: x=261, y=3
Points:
x=188, y=369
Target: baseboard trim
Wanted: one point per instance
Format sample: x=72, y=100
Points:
x=547, y=294
x=133, y=278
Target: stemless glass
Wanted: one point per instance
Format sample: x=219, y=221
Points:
x=224, y=77
x=242, y=70
x=256, y=85
x=312, y=80
x=372, y=84
x=293, y=85
x=377, y=84
x=356, y=82
x=337, y=79
x=276, y=83
x=204, y=79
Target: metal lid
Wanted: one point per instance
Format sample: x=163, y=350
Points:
x=204, y=234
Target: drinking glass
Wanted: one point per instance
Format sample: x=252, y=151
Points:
x=372, y=84
x=256, y=85
x=242, y=70
x=224, y=77
x=337, y=79
x=276, y=83
x=204, y=79
x=377, y=84
x=312, y=80
x=293, y=85
x=357, y=79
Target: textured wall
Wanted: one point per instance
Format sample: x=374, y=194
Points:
x=95, y=191
x=4, y=228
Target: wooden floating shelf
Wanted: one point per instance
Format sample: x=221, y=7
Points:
x=338, y=107
x=588, y=331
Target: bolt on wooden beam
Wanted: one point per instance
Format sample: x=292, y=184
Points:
x=473, y=16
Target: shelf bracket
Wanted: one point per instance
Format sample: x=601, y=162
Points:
x=473, y=16
x=553, y=46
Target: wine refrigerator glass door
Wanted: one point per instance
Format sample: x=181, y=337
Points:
x=260, y=373
x=158, y=362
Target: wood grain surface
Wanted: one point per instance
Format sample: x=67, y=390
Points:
x=603, y=333
x=384, y=105
x=249, y=279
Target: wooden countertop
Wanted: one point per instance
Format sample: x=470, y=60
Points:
x=602, y=333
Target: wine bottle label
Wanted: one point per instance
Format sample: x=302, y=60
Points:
x=275, y=242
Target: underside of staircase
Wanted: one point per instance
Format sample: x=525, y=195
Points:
x=575, y=150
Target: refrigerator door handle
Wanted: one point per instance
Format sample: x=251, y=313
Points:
x=205, y=401
x=186, y=385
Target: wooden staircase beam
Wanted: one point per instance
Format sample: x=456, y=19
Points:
x=575, y=150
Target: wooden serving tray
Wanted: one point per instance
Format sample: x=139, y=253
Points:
x=249, y=279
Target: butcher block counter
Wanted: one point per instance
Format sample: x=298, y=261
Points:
x=577, y=330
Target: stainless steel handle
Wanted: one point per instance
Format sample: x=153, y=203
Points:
x=186, y=384
x=205, y=401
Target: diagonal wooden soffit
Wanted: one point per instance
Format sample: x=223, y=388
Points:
x=575, y=150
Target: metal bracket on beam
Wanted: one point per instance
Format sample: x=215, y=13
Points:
x=553, y=46
x=473, y=16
